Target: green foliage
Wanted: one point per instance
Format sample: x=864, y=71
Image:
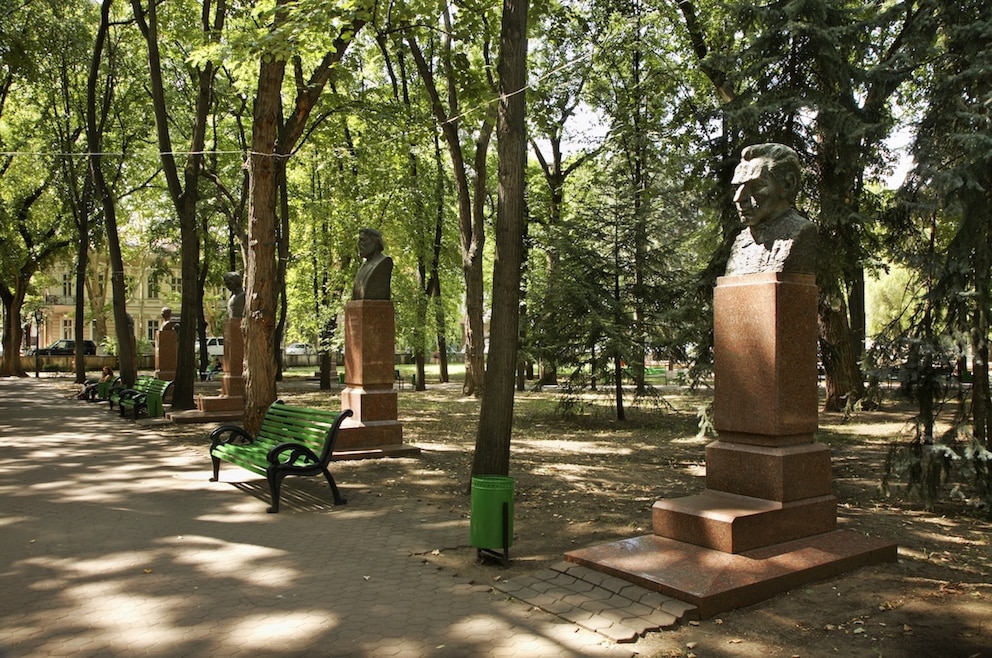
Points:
x=958, y=467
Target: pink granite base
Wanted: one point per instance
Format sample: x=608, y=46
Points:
x=735, y=524
x=220, y=403
x=373, y=430
x=716, y=581
x=781, y=473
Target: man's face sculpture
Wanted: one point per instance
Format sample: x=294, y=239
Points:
x=366, y=245
x=759, y=196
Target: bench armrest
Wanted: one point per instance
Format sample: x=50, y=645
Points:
x=128, y=394
x=289, y=453
x=230, y=434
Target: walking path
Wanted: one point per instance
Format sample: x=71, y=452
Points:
x=114, y=543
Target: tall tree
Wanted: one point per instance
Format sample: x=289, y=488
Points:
x=95, y=115
x=561, y=65
x=953, y=152
x=492, y=443
x=275, y=135
x=184, y=191
x=34, y=226
x=453, y=118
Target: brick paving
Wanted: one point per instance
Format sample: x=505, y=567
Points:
x=114, y=543
x=609, y=606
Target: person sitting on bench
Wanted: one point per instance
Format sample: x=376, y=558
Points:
x=90, y=389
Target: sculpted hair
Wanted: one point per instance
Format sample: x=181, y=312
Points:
x=783, y=165
x=376, y=237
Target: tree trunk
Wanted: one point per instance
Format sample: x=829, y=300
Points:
x=492, y=444
x=838, y=354
x=258, y=325
x=13, y=331
x=471, y=212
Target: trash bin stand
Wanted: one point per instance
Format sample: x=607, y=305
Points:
x=488, y=553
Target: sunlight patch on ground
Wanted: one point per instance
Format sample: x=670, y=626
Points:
x=247, y=563
x=693, y=440
x=557, y=446
x=284, y=631
x=99, y=606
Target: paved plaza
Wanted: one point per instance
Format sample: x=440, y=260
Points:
x=116, y=544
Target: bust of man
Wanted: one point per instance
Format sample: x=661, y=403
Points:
x=775, y=237
x=169, y=323
x=236, y=302
x=375, y=275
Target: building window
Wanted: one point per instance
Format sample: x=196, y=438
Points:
x=152, y=328
x=67, y=331
x=176, y=283
x=67, y=285
x=153, y=286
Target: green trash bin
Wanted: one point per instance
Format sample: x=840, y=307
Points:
x=491, y=520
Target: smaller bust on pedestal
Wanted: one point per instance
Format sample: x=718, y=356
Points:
x=374, y=277
x=236, y=302
x=775, y=237
x=169, y=322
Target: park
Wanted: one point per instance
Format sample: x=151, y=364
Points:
x=497, y=329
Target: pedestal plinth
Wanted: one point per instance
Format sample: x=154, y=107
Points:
x=166, y=355
x=232, y=383
x=369, y=338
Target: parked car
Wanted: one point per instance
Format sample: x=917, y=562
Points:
x=302, y=349
x=64, y=347
x=215, y=346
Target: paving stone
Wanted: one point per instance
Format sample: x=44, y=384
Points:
x=561, y=579
x=654, y=599
x=660, y=620
x=575, y=615
x=620, y=633
x=566, y=567
x=613, y=584
x=681, y=610
x=594, y=605
x=635, y=609
x=595, y=623
x=555, y=607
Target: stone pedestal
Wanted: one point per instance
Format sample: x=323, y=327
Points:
x=166, y=354
x=369, y=338
x=766, y=481
x=232, y=397
x=767, y=519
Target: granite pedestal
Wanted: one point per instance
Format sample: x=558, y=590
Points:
x=232, y=397
x=767, y=519
x=166, y=354
x=373, y=430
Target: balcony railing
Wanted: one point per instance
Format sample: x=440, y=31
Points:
x=60, y=300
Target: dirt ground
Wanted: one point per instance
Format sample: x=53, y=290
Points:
x=586, y=480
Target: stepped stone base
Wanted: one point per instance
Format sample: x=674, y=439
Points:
x=717, y=581
x=735, y=524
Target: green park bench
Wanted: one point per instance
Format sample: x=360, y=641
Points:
x=119, y=390
x=150, y=398
x=291, y=441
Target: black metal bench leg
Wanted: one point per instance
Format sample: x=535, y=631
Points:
x=216, y=463
x=338, y=499
x=275, y=484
